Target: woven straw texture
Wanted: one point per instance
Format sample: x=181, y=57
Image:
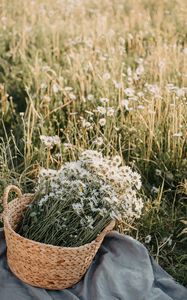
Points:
x=42, y=265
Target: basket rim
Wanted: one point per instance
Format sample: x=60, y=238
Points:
x=108, y=228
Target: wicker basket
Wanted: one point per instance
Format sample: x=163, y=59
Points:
x=42, y=265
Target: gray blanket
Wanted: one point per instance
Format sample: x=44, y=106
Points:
x=122, y=269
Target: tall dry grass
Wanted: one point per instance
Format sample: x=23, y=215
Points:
x=59, y=59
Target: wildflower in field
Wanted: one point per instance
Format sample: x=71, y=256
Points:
x=110, y=111
x=98, y=141
x=148, y=239
x=170, y=87
x=129, y=92
x=102, y=122
x=133, y=98
x=68, y=145
x=125, y=103
x=72, y=96
x=50, y=141
x=90, y=97
x=47, y=172
x=180, y=92
x=154, y=190
x=56, y=88
x=104, y=100
x=118, y=85
x=86, y=124
x=158, y=172
x=140, y=94
x=106, y=76
x=139, y=70
x=153, y=89
x=101, y=110
x=43, y=86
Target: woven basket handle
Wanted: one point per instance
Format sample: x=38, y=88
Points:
x=8, y=189
x=107, y=229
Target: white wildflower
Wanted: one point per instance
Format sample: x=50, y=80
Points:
x=50, y=141
x=72, y=96
x=68, y=145
x=56, y=88
x=43, y=86
x=90, y=97
x=98, y=141
x=78, y=208
x=158, y=172
x=136, y=180
x=43, y=200
x=110, y=111
x=101, y=110
x=180, y=92
x=102, y=121
x=140, y=94
x=104, y=100
x=153, y=89
x=140, y=70
x=89, y=221
x=86, y=124
x=154, y=190
x=129, y=92
x=148, y=239
x=117, y=160
x=118, y=85
x=47, y=172
x=106, y=76
x=125, y=103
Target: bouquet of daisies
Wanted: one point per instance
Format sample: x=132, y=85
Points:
x=73, y=205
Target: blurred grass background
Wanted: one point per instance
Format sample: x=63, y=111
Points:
x=62, y=62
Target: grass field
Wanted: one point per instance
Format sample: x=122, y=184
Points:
x=109, y=75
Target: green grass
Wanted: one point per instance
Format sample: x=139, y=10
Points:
x=95, y=48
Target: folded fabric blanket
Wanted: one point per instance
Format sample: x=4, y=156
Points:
x=122, y=269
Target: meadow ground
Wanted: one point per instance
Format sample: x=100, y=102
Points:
x=107, y=75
